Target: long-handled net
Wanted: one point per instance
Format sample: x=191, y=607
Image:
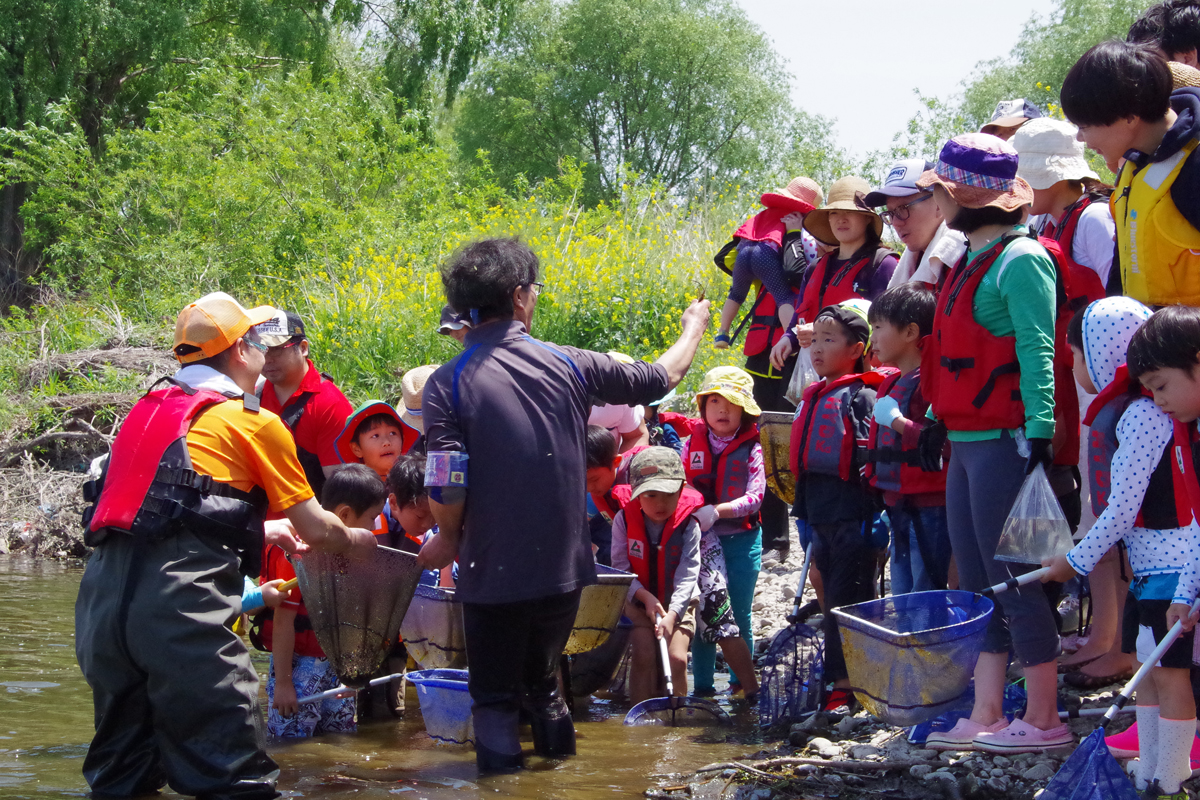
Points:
x=356, y=606
x=792, y=683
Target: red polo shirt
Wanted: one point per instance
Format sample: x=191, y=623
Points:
x=324, y=416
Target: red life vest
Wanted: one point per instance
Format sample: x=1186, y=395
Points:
x=612, y=501
x=823, y=436
x=842, y=285
x=262, y=623
x=1083, y=284
x=1165, y=504
x=973, y=378
x=764, y=331
x=725, y=477
x=655, y=565
x=890, y=466
x=1186, y=456
x=765, y=226
x=150, y=490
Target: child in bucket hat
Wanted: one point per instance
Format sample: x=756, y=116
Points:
x=998, y=335
x=759, y=244
x=723, y=460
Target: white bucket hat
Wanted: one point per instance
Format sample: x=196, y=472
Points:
x=1049, y=152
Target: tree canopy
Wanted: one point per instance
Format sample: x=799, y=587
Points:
x=678, y=90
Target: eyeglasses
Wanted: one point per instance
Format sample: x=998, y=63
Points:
x=902, y=213
x=536, y=287
x=259, y=346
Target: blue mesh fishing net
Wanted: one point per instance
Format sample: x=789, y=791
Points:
x=1091, y=773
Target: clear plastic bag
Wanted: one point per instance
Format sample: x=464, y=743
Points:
x=1036, y=528
x=802, y=376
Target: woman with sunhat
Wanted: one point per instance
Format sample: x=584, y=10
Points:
x=760, y=251
x=991, y=386
x=861, y=266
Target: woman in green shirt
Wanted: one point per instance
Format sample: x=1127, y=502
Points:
x=991, y=386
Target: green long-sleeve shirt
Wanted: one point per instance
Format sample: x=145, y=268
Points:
x=1017, y=297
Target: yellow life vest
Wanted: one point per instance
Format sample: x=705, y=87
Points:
x=1159, y=248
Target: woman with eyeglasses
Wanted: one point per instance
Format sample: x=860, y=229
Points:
x=929, y=246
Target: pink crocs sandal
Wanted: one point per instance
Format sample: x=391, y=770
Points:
x=961, y=735
x=1021, y=737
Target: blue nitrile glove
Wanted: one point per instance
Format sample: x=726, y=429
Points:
x=887, y=411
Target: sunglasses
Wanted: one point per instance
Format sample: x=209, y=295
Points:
x=259, y=346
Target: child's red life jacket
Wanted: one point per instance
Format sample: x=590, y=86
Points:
x=612, y=501
x=150, y=490
x=890, y=466
x=823, y=436
x=1165, y=504
x=764, y=331
x=1084, y=284
x=973, y=378
x=721, y=478
x=765, y=226
x=655, y=565
x=1187, y=454
x=262, y=624
x=843, y=284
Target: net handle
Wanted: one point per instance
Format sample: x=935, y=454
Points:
x=795, y=615
x=1013, y=583
x=1149, y=664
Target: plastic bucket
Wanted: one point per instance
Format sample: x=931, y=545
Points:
x=909, y=657
x=600, y=608
x=445, y=704
x=433, y=629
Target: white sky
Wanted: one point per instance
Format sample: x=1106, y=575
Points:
x=858, y=61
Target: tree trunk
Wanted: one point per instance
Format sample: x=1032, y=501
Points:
x=15, y=264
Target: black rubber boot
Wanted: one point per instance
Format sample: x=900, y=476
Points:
x=553, y=738
x=490, y=762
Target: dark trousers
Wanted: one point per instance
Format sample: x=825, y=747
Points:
x=775, y=514
x=842, y=552
x=175, y=695
x=513, y=651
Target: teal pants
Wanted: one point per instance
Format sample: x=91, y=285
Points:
x=743, y=560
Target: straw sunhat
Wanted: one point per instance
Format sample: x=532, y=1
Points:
x=1182, y=75
x=1048, y=152
x=412, y=385
x=802, y=195
x=979, y=170
x=844, y=195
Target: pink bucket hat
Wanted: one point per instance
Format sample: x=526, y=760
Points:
x=801, y=195
x=979, y=170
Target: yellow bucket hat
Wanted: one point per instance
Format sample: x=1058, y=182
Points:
x=732, y=383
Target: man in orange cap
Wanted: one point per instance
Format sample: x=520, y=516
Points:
x=176, y=516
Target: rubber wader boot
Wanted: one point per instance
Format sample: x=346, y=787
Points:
x=490, y=762
x=554, y=737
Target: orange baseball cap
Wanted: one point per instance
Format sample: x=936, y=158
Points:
x=212, y=324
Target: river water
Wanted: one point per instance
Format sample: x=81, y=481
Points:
x=46, y=724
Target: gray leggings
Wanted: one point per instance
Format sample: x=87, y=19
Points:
x=981, y=486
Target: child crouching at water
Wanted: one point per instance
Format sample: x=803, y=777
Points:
x=299, y=667
x=828, y=438
x=656, y=537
